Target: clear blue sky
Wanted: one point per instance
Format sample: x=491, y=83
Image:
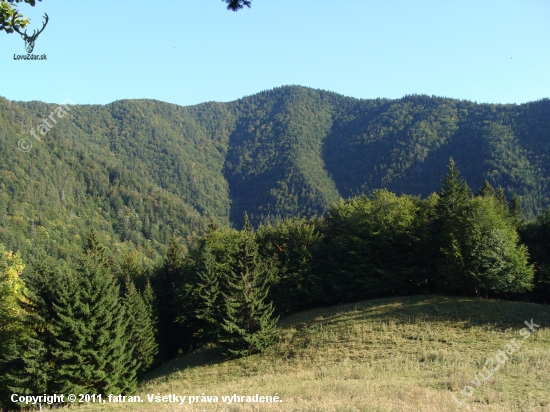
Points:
x=191, y=51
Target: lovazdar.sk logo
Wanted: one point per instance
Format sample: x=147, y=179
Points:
x=29, y=43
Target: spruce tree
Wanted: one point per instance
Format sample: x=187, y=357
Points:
x=210, y=304
x=501, y=202
x=453, y=194
x=248, y=323
x=478, y=250
x=446, y=229
x=35, y=368
x=486, y=190
x=516, y=211
x=91, y=348
x=132, y=266
x=205, y=276
x=141, y=331
x=167, y=284
x=151, y=304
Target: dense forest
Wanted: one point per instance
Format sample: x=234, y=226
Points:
x=136, y=232
x=98, y=325
x=140, y=171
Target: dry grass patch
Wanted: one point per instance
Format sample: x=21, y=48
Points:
x=399, y=354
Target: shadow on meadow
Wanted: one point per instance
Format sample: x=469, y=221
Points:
x=494, y=314
x=462, y=312
x=201, y=357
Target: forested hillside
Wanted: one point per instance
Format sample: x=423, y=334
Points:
x=116, y=247
x=140, y=171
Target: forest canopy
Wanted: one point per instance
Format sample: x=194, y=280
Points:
x=140, y=171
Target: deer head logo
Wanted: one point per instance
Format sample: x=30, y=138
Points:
x=29, y=40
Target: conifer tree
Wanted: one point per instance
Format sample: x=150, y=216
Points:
x=34, y=370
x=446, y=228
x=212, y=263
x=486, y=190
x=516, y=211
x=501, y=202
x=454, y=193
x=248, y=324
x=92, y=349
x=204, y=277
x=478, y=249
x=536, y=234
x=166, y=285
x=210, y=305
x=150, y=303
x=141, y=331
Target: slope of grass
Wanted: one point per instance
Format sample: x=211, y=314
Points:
x=399, y=354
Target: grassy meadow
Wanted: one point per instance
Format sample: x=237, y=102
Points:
x=398, y=354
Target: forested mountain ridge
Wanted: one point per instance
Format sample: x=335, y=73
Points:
x=141, y=170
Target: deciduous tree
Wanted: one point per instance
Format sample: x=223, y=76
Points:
x=10, y=18
x=11, y=316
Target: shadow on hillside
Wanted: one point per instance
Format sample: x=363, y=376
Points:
x=201, y=357
x=496, y=314
x=493, y=314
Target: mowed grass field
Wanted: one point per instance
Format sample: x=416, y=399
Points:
x=399, y=354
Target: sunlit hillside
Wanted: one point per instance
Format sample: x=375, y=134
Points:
x=399, y=354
